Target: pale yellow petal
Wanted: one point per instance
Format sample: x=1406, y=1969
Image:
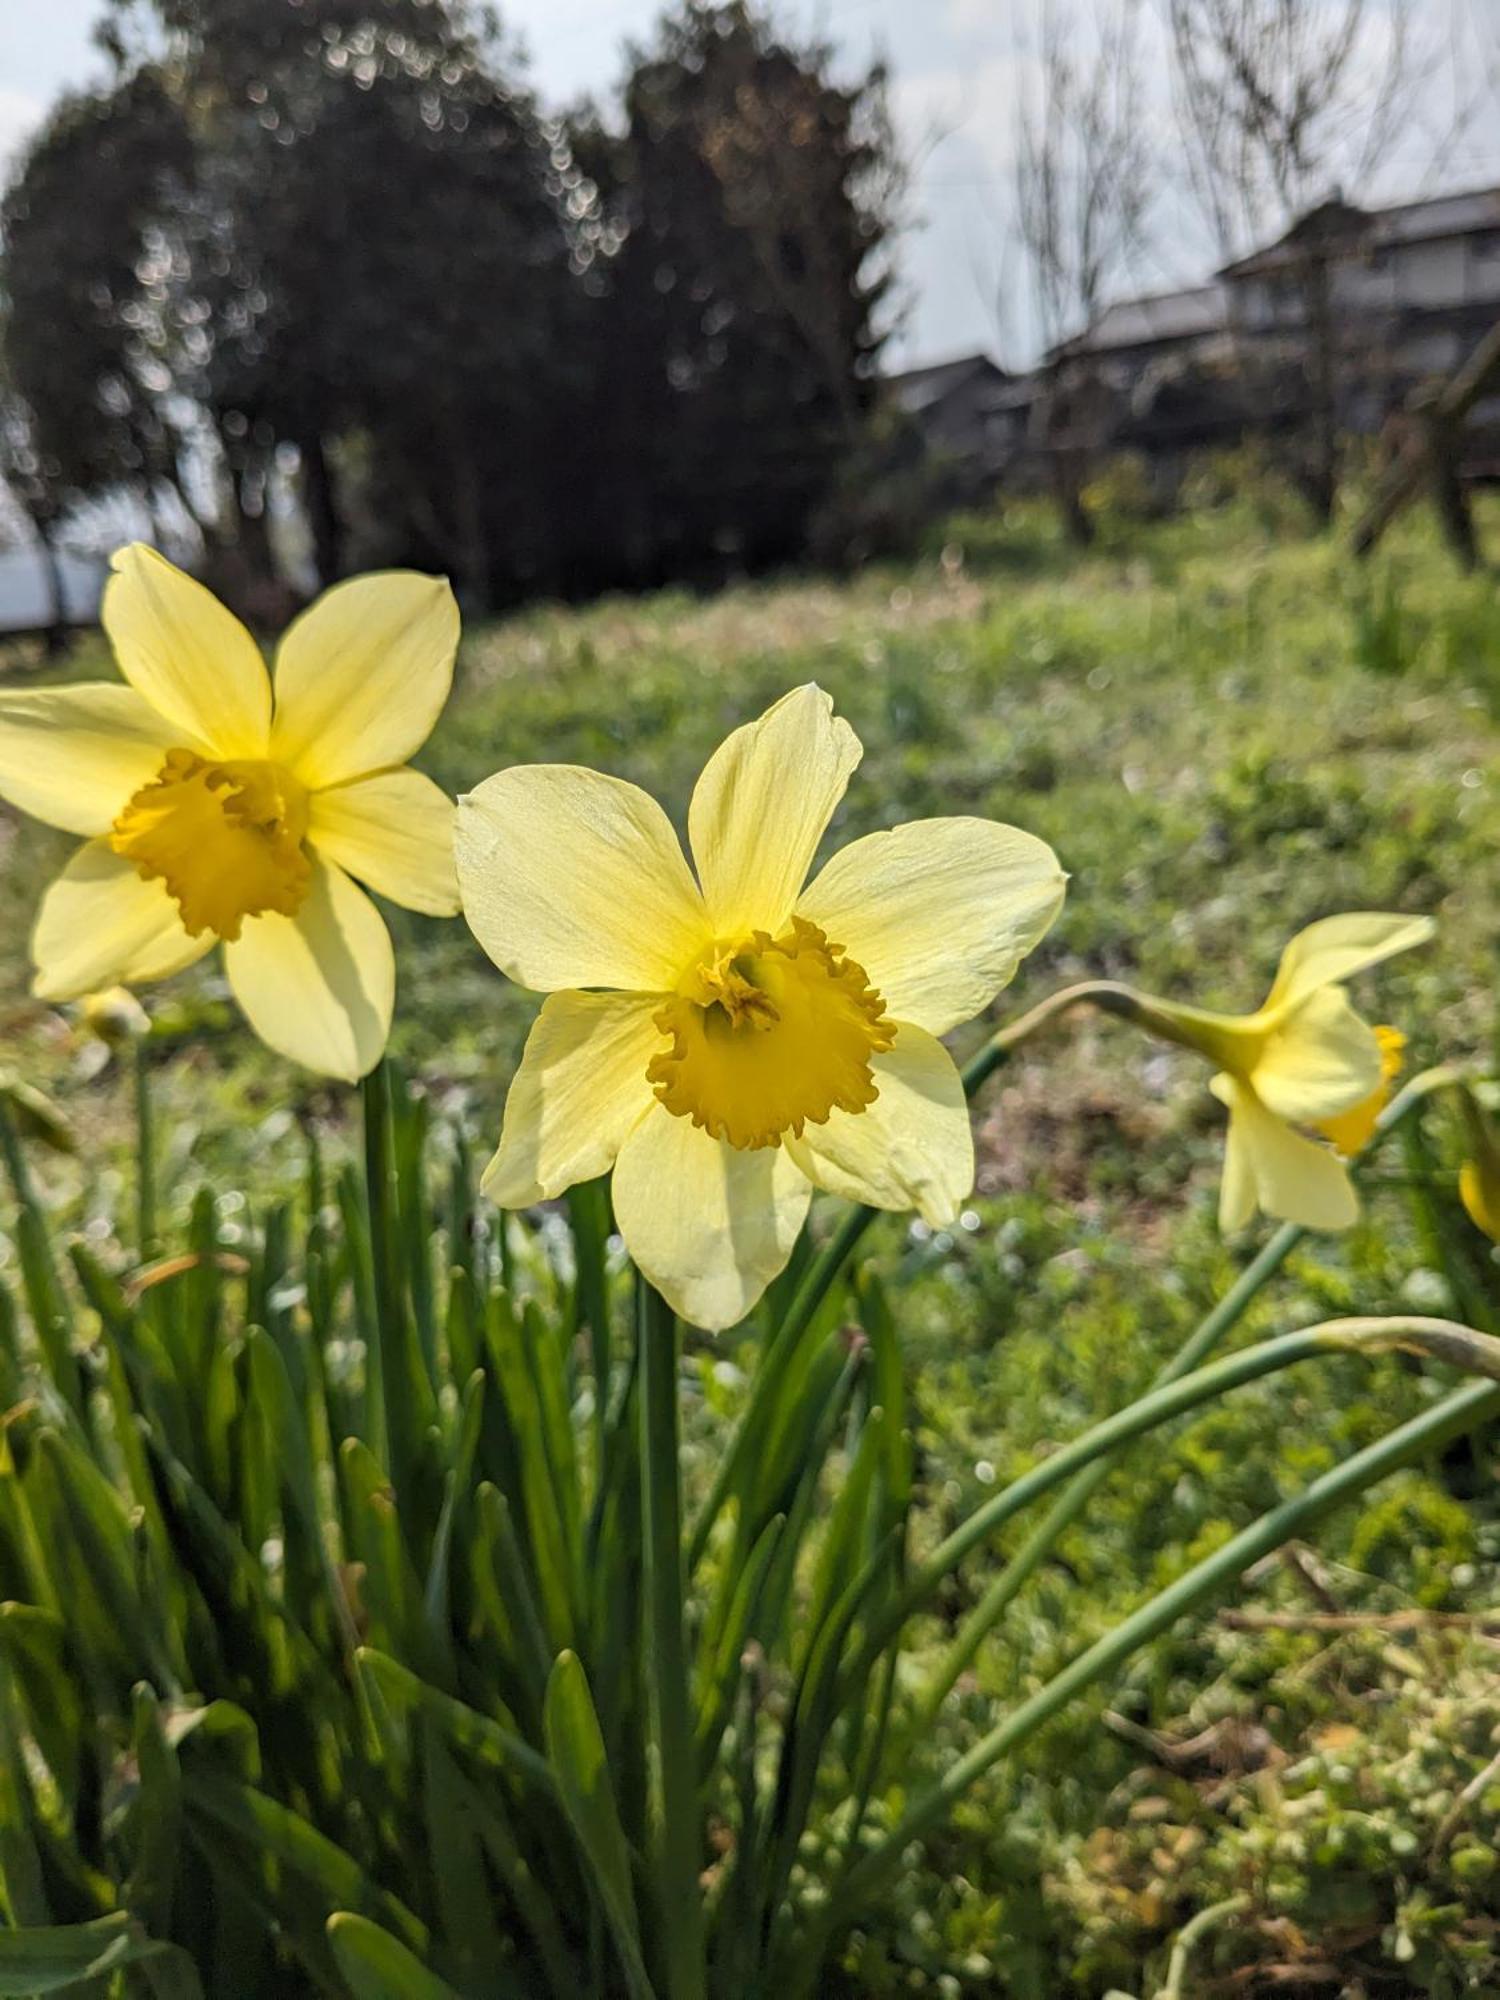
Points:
x=319, y=987
x=1295, y=1179
x=188, y=655
x=1321, y=1060
x=581, y=1089
x=939, y=912
x=1336, y=948
x=73, y=756
x=394, y=832
x=362, y=675
x=100, y=925
x=1237, y=1190
x=1479, y=1190
x=570, y=878
x=912, y=1148
x=761, y=807
x=710, y=1227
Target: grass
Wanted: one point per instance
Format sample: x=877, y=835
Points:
x=1224, y=736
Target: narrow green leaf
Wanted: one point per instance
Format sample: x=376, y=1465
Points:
x=379, y=1967
x=156, y=1817
x=50, y=1959
x=576, y=1750
x=271, y=1830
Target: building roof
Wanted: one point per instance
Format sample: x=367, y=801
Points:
x=919, y=388
x=1429, y=221
x=1150, y=321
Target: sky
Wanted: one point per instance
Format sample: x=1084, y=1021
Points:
x=956, y=74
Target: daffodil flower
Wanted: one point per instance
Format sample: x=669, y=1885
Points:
x=1349, y=1132
x=1301, y=1064
x=1479, y=1176
x=728, y=1043
x=218, y=806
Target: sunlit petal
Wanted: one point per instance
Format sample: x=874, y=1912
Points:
x=394, y=832
x=319, y=987
x=72, y=756
x=1323, y=1059
x=709, y=1226
x=580, y=1090
x=100, y=925
x=570, y=878
x=1295, y=1179
x=761, y=807
x=939, y=912
x=362, y=676
x=1336, y=948
x=188, y=655
x=913, y=1148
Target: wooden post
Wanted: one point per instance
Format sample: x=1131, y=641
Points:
x=1429, y=455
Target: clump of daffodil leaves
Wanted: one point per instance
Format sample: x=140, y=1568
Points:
x=725, y=1037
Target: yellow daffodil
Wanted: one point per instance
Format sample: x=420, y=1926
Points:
x=1479, y=1176
x=218, y=805
x=1303, y=1063
x=1349, y=1132
x=747, y=1037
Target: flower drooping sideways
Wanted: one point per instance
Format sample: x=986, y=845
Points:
x=1349, y=1132
x=1479, y=1176
x=729, y=1042
x=1301, y=1070
x=219, y=806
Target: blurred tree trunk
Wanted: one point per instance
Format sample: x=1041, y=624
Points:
x=1322, y=365
x=320, y=499
x=56, y=637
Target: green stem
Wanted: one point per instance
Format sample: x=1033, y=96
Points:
x=825, y=1272
x=46, y=1299
x=821, y=1276
x=1201, y=1342
x=380, y=1194
x=145, y=1154
x=1439, y=1339
x=679, y=1853
x=1195, y=1928
x=1446, y=1420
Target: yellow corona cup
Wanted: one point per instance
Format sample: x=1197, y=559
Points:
x=728, y=1042
x=219, y=806
x=1303, y=1068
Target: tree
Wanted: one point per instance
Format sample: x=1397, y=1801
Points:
x=1278, y=99
x=85, y=278
x=749, y=207
x=380, y=247
x=539, y=354
x=1084, y=185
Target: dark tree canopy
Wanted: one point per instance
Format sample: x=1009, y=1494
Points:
x=86, y=287
x=538, y=353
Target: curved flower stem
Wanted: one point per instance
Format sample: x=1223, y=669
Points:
x=1444, y=1421
x=1106, y=994
x=679, y=1857
x=145, y=1154
x=1442, y=1340
x=1204, y=1338
x=1195, y=1928
x=380, y=1172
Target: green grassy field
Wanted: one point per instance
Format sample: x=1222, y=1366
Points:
x=1224, y=736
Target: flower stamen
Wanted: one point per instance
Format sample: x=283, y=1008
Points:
x=769, y=1035
x=225, y=838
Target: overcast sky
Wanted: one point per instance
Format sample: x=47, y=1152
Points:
x=954, y=69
